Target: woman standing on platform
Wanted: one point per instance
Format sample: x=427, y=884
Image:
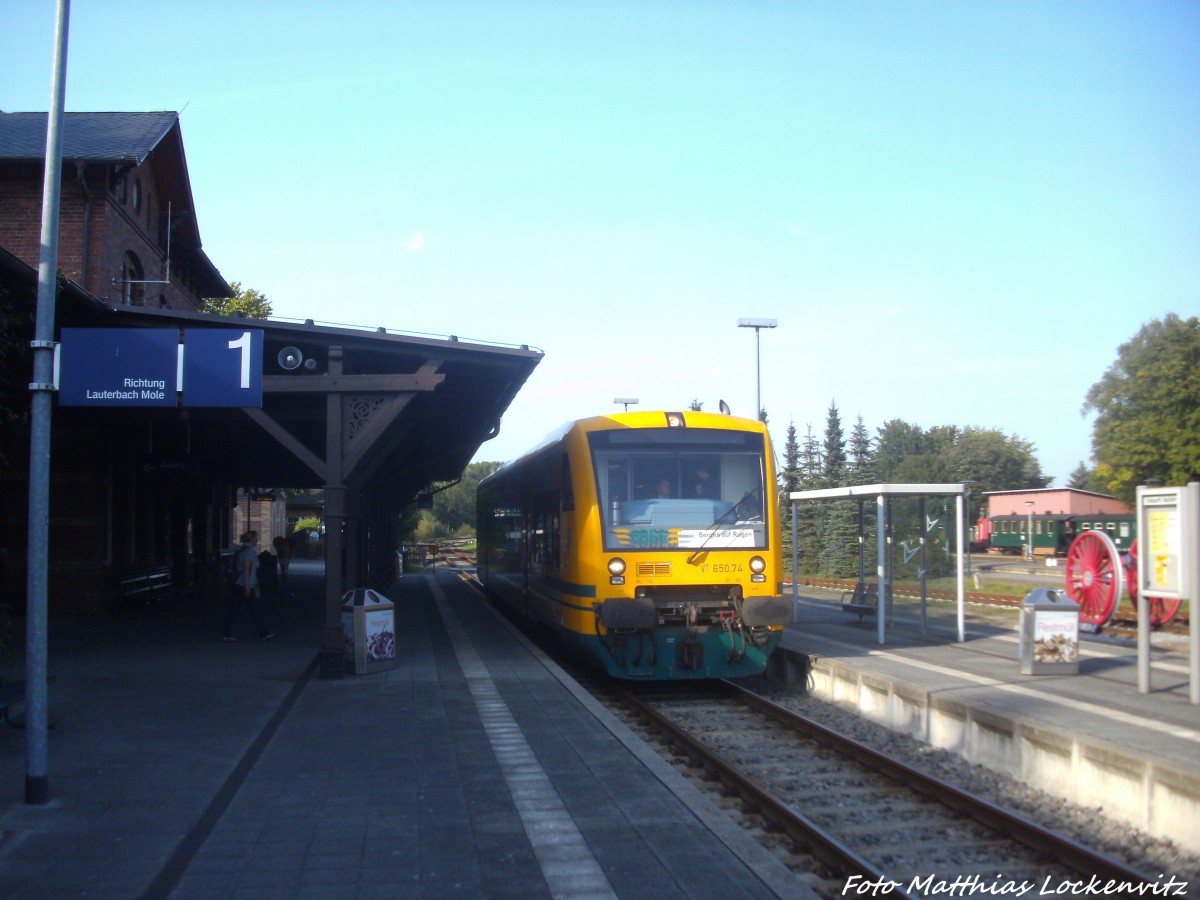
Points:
x=244, y=589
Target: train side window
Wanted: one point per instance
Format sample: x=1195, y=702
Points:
x=568, y=490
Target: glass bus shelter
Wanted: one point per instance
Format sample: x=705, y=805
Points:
x=882, y=494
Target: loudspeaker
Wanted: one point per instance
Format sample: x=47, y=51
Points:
x=290, y=358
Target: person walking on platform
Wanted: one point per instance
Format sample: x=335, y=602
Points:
x=244, y=589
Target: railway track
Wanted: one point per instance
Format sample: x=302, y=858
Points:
x=857, y=817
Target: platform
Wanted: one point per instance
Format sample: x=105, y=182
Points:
x=1090, y=737
x=182, y=766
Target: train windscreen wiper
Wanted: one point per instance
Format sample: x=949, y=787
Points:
x=713, y=527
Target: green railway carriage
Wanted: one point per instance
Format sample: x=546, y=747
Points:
x=1053, y=534
x=648, y=540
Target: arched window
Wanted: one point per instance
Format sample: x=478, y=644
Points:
x=133, y=292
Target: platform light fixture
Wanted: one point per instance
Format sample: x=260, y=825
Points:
x=626, y=401
x=758, y=325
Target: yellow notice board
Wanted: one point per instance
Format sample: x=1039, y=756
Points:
x=1166, y=542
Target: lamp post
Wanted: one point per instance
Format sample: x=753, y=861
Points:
x=1029, y=530
x=627, y=401
x=758, y=325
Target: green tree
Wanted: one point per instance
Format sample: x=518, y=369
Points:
x=833, y=459
x=896, y=441
x=839, y=538
x=1147, y=409
x=1082, y=478
x=991, y=459
x=808, y=514
x=947, y=453
x=789, y=480
x=861, y=461
x=247, y=302
x=861, y=465
x=454, y=507
x=695, y=405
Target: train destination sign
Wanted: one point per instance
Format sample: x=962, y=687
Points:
x=149, y=367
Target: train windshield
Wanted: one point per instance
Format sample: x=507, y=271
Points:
x=681, y=488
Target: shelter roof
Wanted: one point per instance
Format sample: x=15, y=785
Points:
x=875, y=490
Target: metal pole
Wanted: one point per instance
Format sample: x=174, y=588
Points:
x=924, y=562
x=958, y=512
x=37, y=776
x=882, y=567
x=1191, y=526
x=758, y=373
x=795, y=566
x=1143, y=643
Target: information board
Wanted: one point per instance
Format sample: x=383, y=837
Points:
x=1165, y=555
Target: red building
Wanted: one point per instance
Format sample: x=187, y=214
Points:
x=1054, y=502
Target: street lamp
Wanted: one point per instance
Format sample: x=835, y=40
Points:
x=1029, y=529
x=627, y=401
x=757, y=325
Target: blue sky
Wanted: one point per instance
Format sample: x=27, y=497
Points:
x=957, y=211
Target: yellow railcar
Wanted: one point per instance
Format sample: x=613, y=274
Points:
x=649, y=540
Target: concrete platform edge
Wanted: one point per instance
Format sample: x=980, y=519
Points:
x=1148, y=793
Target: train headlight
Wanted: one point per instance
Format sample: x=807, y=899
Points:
x=616, y=570
x=758, y=565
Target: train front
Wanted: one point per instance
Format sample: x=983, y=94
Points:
x=688, y=565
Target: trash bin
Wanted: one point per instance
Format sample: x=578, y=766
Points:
x=1049, y=633
x=368, y=621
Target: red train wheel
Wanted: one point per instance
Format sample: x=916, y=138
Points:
x=1162, y=610
x=1131, y=575
x=1095, y=577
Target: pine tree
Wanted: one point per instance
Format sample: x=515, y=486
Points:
x=839, y=544
x=808, y=515
x=862, y=468
x=833, y=462
x=789, y=479
x=862, y=471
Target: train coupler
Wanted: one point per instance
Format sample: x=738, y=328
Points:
x=689, y=654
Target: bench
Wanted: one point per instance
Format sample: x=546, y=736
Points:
x=862, y=600
x=146, y=585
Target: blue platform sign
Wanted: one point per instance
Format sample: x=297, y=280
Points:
x=222, y=367
x=118, y=366
x=149, y=367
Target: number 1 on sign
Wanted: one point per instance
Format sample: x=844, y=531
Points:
x=243, y=344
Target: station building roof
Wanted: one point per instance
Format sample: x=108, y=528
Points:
x=413, y=410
